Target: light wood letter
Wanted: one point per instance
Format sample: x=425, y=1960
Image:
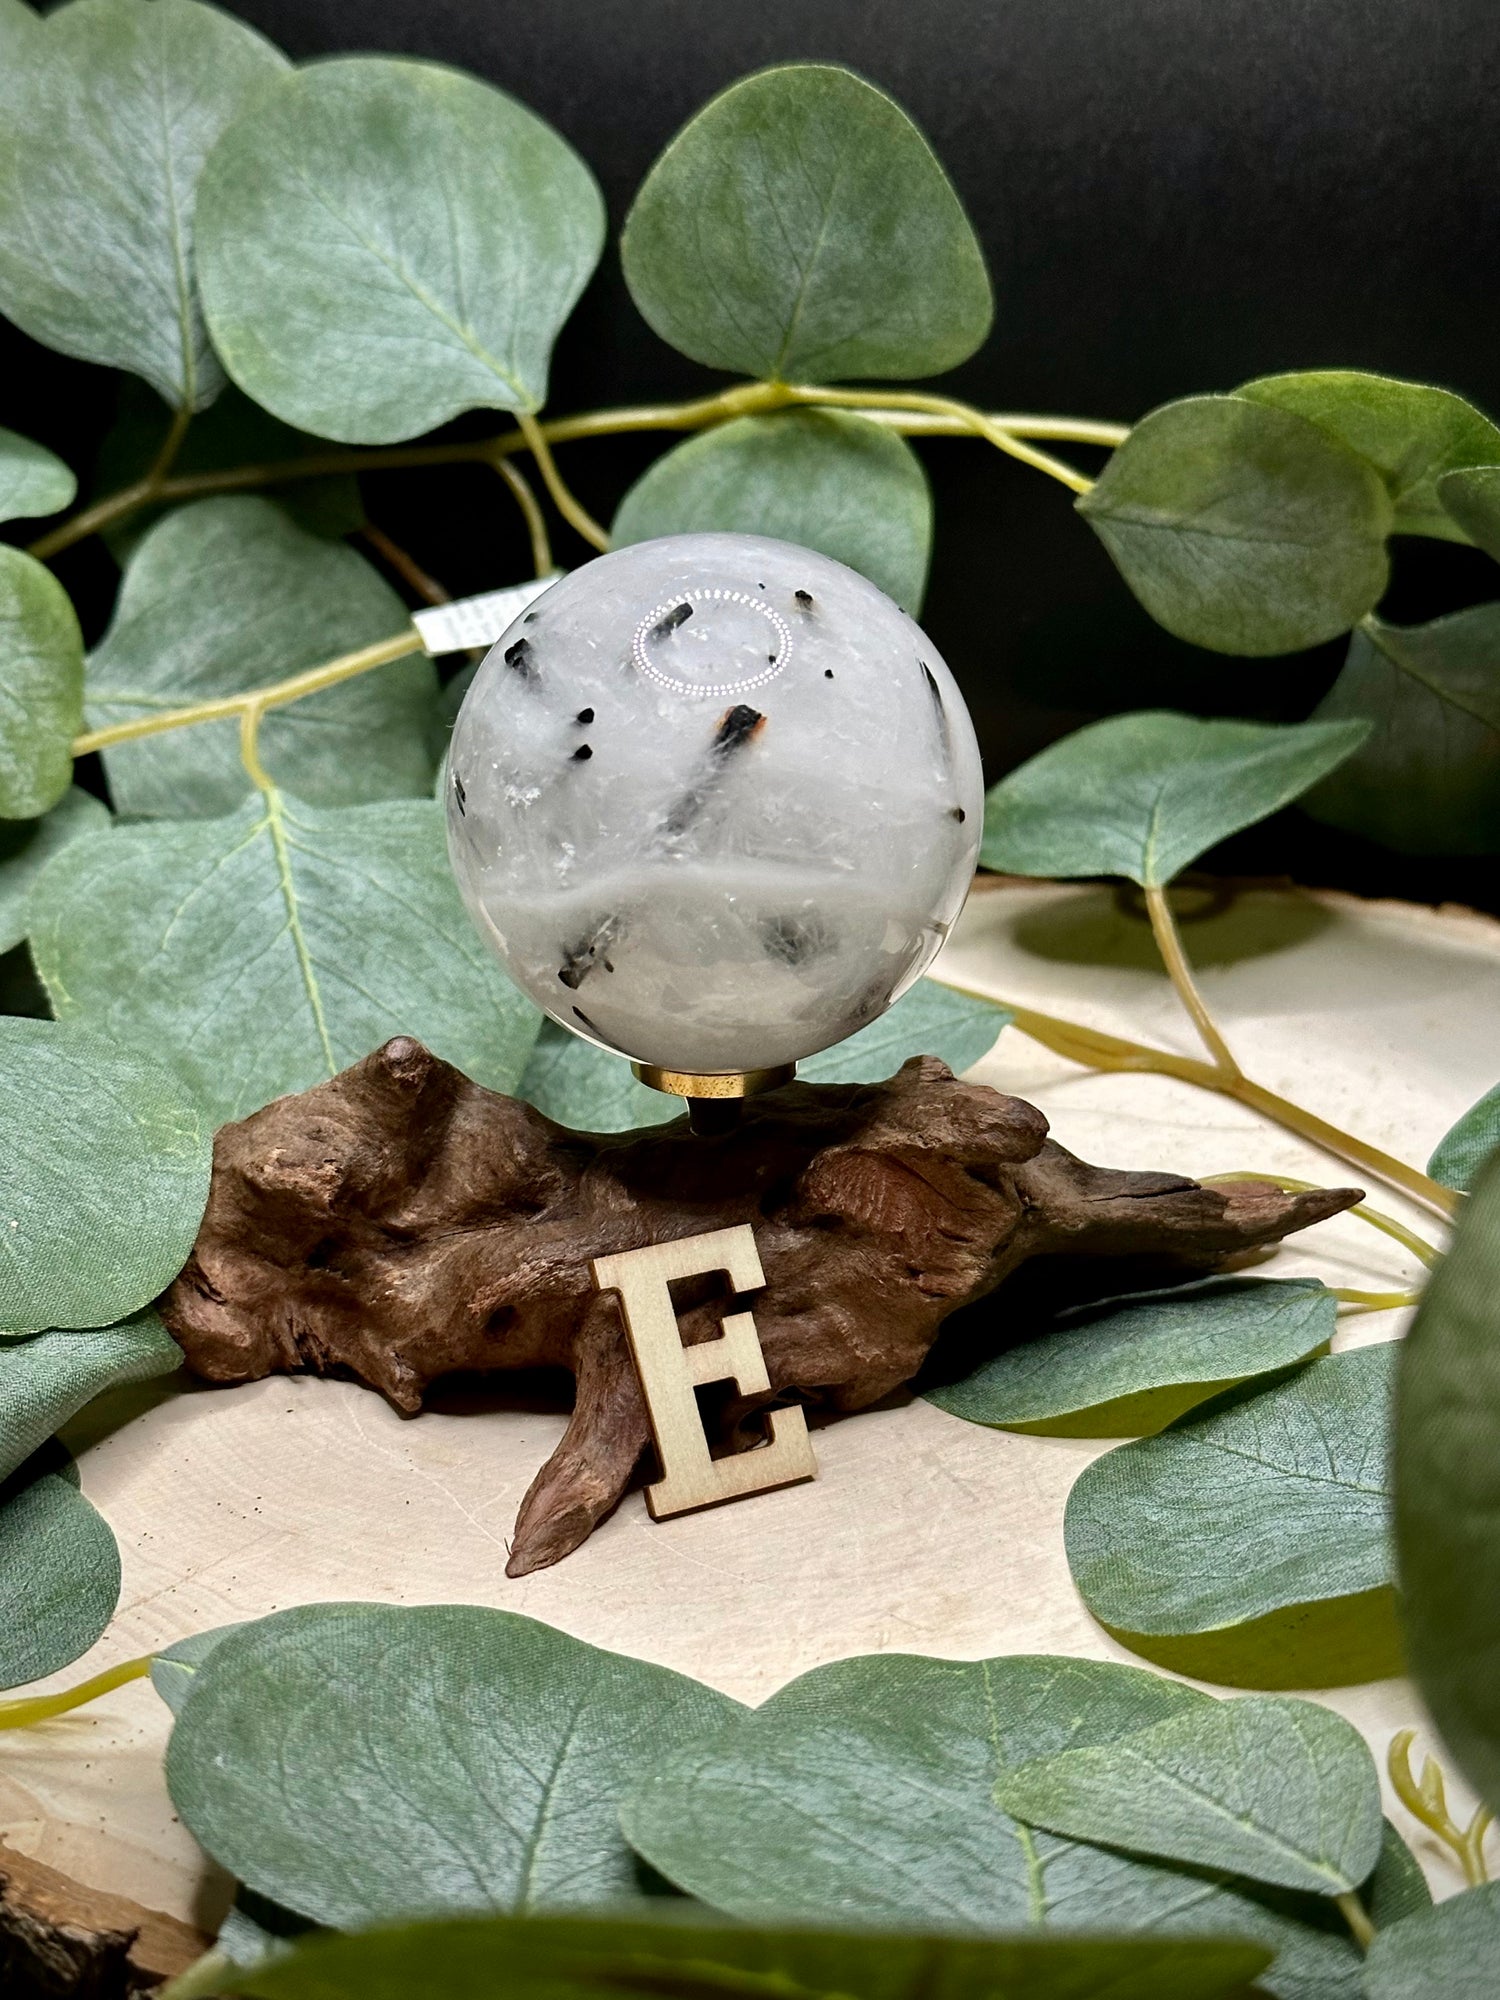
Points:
x=670, y=1372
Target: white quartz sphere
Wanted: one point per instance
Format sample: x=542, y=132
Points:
x=715, y=801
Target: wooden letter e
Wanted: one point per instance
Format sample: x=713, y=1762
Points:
x=670, y=1372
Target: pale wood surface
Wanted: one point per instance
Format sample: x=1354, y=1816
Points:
x=670, y=1372
x=921, y=1533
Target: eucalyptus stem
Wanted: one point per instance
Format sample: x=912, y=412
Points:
x=171, y=444
x=567, y=504
x=42, y=1707
x=1373, y=1302
x=1426, y=1799
x=536, y=521
x=912, y=415
x=963, y=413
x=1094, y=1049
x=405, y=565
x=1169, y=944
x=345, y=668
x=1357, y=1917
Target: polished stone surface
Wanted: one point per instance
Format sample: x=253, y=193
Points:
x=715, y=801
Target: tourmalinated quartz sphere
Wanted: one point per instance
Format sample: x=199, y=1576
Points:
x=715, y=801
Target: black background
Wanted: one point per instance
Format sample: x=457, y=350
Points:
x=1173, y=195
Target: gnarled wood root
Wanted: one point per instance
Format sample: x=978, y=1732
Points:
x=400, y=1223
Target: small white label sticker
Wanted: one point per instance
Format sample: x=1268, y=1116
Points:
x=477, y=621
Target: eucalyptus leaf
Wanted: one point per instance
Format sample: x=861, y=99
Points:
x=1449, y=1952
x=592, y=1090
x=1241, y=527
x=1122, y=1367
x=868, y=1787
x=1410, y=432
x=59, y=1576
x=1283, y=1791
x=1472, y=497
x=121, y=102
x=799, y=228
x=41, y=686
x=234, y=433
x=828, y=480
x=33, y=480
x=269, y=950
x=1427, y=778
x=385, y=243
x=930, y=1020
x=49, y=1378
x=229, y=595
x=583, y=1958
x=106, y=1175
x=1251, y=1542
x=1465, y=1147
x=1145, y=795
x=1447, y=1454
x=27, y=845
x=175, y=1667
x=306, y=1761
x=589, y=1089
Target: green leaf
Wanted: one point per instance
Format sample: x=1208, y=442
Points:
x=33, y=480
x=1285, y=1792
x=591, y=1090
x=800, y=228
x=305, y=1759
x=175, y=1668
x=589, y=1958
x=1446, y=1953
x=385, y=243
x=1410, y=432
x=1124, y=1366
x=826, y=479
x=1427, y=779
x=588, y=1089
x=930, y=1020
x=121, y=104
x=583, y=1958
x=1241, y=527
x=106, y=1175
x=59, y=1576
x=1448, y=1490
x=1251, y=1542
x=229, y=595
x=49, y=1378
x=234, y=433
x=1472, y=497
x=41, y=686
x=269, y=950
x=1465, y=1146
x=1145, y=795
x=27, y=845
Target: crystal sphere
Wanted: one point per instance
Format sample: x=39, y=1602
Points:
x=715, y=801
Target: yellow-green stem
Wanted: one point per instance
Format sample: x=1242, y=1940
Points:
x=171, y=444
x=36, y=1708
x=572, y=510
x=915, y=417
x=1169, y=944
x=536, y=522
x=345, y=668
x=946, y=406
x=1094, y=1049
x=1373, y=1302
x=1357, y=1917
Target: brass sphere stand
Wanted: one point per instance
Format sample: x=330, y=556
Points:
x=714, y=1100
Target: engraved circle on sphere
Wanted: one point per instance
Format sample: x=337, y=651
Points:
x=694, y=598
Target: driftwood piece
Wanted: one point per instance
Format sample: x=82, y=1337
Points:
x=399, y=1223
x=58, y=1938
